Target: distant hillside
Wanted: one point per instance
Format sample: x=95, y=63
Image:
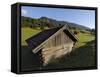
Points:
x=48, y=22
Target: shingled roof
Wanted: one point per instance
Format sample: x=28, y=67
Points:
x=41, y=37
x=37, y=39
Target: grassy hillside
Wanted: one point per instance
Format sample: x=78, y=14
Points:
x=49, y=22
x=84, y=38
x=26, y=33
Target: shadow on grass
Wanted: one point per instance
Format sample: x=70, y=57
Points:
x=80, y=57
x=29, y=60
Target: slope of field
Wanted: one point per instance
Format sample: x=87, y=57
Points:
x=26, y=33
x=84, y=38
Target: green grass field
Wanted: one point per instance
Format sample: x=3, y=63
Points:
x=27, y=33
x=84, y=38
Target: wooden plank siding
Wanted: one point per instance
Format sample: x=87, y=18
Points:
x=58, y=46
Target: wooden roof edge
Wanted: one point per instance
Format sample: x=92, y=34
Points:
x=38, y=47
x=61, y=29
x=72, y=34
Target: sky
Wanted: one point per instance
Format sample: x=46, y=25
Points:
x=81, y=17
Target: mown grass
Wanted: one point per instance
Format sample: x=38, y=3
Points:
x=84, y=38
x=26, y=33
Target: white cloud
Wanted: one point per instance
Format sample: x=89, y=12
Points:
x=24, y=11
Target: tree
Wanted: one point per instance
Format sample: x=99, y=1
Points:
x=41, y=24
x=42, y=27
x=76, y=32
x=92, y=31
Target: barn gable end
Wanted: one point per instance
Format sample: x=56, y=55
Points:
x=36, y=42
x=56, y=47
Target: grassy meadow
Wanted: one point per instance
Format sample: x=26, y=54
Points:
x=84, y=38
x=27, y=32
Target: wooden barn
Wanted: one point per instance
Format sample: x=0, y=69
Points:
x=52, y=43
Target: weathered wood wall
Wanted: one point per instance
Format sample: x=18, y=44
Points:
x=56, y=47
